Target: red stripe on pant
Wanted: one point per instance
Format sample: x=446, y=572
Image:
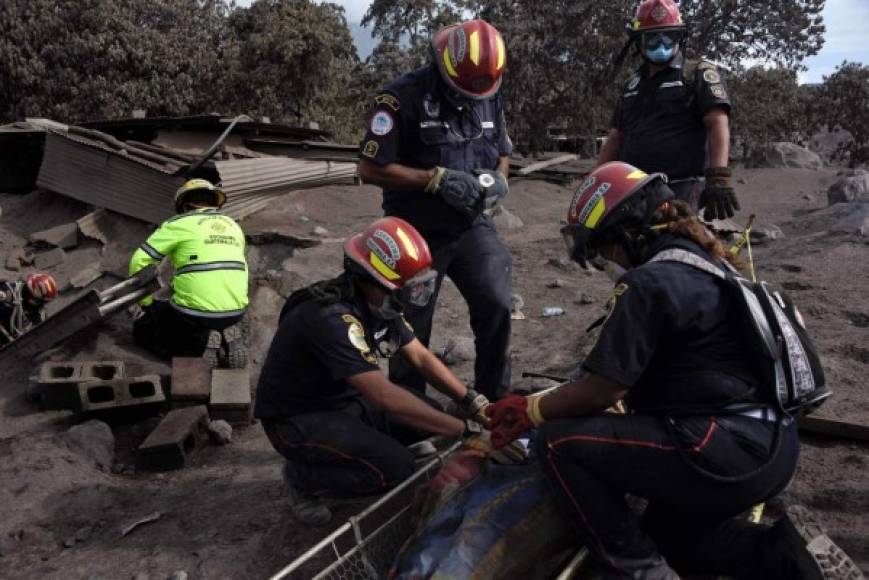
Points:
x=383, y=483
x=610, y=441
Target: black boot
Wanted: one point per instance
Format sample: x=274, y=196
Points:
x=306, y=509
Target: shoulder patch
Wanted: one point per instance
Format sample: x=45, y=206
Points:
x=388, y=100
x=711, y=76
x=407, y=324
x=370, y=149
x=356, y=335
x=382, y=123
x=706, y=65
x=718, y=91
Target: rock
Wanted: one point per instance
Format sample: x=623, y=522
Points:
x=81, y=535
x=557, y=283
x=583, y=298
x=320, y=231
x=741, y=181
x=506, y=220
x=63, y=236
x=562, y=264
x=766, y=234
x=220, y=432
x=783, y=154
x=856, y=222
x=516, y=302
x=852, y=186
x=49, y=259
x=93, y=439
x=14, y=259
x=178, y=575
x=458, y=349
x=809, y=197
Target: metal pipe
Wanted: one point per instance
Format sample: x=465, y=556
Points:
x=115, y=305
x=211, y=150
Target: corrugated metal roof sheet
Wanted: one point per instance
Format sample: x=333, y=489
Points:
x=96, y=174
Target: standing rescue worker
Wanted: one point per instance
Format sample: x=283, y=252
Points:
x=673, y=115
x=438, y=146
x=702, y=441
x=209, y=289
x=22, y=304
x=325, y=404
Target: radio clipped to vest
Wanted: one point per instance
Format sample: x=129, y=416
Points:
x=788, y=359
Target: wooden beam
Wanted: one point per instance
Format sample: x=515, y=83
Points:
x=548, y=163
x=834, y=428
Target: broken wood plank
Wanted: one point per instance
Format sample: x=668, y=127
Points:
x=834, y=428
x=548, y=163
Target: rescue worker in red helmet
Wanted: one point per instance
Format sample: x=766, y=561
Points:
x=325, y=404
x=22, y=304
x=702, y=442
x=674, y=115
x=438, y=146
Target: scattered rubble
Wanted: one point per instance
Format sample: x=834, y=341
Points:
x=14, y=259
x=64, y=236
x=152, y=517
x=220, y=432
x=857, y=222
x=93, y=439
x=230, y=395
x=583, y=299
x=556, y=283
x=175, y=441
x=851, y=186
x=505, y=219
x=763, y=235
x=552, y=311
x=191, y=381
x=458, y=349
x=320, y=231
x=49, y=259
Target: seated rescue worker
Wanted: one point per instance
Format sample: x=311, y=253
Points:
x=702, y=440
x=324, y=402
x=22, y=304
x=209, y=289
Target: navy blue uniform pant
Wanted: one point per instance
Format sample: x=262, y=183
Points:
x=168, y=333
x=481, y=267
x=592, y=462
x=351, y=450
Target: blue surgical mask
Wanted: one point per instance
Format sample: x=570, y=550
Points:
x=661, y=54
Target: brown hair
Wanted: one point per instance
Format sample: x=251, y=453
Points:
x=679, y=219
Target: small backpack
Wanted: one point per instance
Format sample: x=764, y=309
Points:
x=789, y=360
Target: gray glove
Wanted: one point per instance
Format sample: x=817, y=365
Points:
x=494, y=186
x=459, y=189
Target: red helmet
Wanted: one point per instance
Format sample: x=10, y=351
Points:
x=42, y=287
x=657, y=15
x=396, y=256
x=471, y=58
x=613, y=196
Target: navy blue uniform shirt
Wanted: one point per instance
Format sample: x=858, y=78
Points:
x=414, y=125
x=660, y=119
x=316, y=348
x=675, y=336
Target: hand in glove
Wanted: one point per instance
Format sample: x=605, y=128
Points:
x=479, y=439
x=512, y=416
x=495, y=187
x=459, y=189
x=718, y=197
x=474, y=405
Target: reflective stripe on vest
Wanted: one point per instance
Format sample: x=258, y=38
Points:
x=151, y=251
x=210, y=267
x=205, y=314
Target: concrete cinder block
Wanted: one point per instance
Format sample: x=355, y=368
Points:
x=191, y=380
x=118, y=397
x=57, y=384
x=230, y=395
x=178, y=437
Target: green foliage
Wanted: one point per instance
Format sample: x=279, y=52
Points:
x=80, y=59
x=845, y=104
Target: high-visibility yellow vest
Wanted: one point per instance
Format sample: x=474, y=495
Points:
x=207, y=250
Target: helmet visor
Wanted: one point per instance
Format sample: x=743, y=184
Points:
x=575, y=239
x=418, y=290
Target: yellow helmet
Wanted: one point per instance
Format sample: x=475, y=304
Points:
x=201, y=190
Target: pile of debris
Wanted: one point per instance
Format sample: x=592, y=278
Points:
x=202, y=403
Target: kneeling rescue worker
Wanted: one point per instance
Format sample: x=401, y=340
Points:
x=703, y=440
x=210, y=291
x=22, y=304
x=325, y=404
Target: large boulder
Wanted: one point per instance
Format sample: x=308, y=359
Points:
x=783, y=154
x=851, y=186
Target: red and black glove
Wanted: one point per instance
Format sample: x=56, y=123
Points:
x=512, y=416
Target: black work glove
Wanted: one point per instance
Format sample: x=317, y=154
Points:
x=459, y=189
x=494, y=185
x=474, y=405
x=718, y=197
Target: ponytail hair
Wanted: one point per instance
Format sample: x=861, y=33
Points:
x=677, y=218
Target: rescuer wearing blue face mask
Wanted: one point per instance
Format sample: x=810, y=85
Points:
x=673, y=115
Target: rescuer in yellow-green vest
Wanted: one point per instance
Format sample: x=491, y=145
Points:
x=210, y=287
